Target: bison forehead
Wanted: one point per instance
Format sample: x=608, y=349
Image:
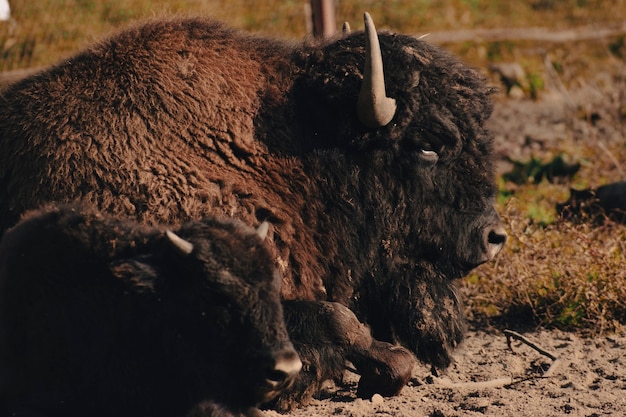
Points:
x=440, y=101
x=422, y=56
x=444, y=81
x=233, y=250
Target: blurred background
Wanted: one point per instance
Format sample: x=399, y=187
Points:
x=42, y=32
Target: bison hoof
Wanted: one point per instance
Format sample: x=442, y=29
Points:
x=388, y=372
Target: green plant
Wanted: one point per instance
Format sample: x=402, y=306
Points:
x=536, y=170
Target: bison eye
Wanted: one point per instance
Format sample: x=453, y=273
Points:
x=429, y=155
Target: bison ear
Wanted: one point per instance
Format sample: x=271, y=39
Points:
x=181, y=245
x=262, y=230
x=374, y=108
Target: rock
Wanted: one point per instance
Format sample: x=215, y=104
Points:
x=377, y=399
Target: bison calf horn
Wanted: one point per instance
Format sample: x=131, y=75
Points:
x=374, y=108
x=183, y=246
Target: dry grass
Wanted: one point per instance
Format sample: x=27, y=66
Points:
x=565, y=275
x=553, y=272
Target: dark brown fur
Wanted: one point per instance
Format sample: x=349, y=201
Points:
x=326, y=334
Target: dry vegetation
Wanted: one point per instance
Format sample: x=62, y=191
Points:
x=45, y=31
x=555, y=271
x=567, y=275
x=552, y=272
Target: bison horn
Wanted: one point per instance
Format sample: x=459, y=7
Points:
x=345, y=29
x=183, y=246
x=262, y=230
x=374, y=108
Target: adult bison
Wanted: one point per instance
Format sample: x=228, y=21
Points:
x=597, y=205
x=378, y=186
x=104, y=317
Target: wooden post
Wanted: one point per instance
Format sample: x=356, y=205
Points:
x=323, y=17
x=5, y=10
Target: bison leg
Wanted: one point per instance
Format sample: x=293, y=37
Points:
x=327, y=335
x=385, y=369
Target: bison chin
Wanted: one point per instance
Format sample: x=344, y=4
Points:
x=431, y=325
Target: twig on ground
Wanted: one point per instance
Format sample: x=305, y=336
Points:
x=492, y=383
x=506, y=381
x=511, y=334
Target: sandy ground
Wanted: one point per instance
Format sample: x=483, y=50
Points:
x=491, y=379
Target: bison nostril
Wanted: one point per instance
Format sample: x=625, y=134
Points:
x=276, y=377
x=284, y=369
x=496, y=238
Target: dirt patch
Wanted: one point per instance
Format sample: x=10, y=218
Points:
x=588, y=119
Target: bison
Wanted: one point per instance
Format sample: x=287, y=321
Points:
x=599, y=204
x=367, y=154
x=106, y=317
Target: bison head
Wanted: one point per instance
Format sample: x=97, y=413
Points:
x=235, y=312
x=405, y=165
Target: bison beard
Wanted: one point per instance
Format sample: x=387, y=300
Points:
x=186, y=118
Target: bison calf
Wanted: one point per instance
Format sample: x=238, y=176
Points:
x=105, y=317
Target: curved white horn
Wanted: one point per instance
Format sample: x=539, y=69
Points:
x=345, y=29
x=183, y=246
x=374, y=108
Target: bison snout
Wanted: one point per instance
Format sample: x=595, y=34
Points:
x=283, y=368
x=494, y=238
x=286, y=366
